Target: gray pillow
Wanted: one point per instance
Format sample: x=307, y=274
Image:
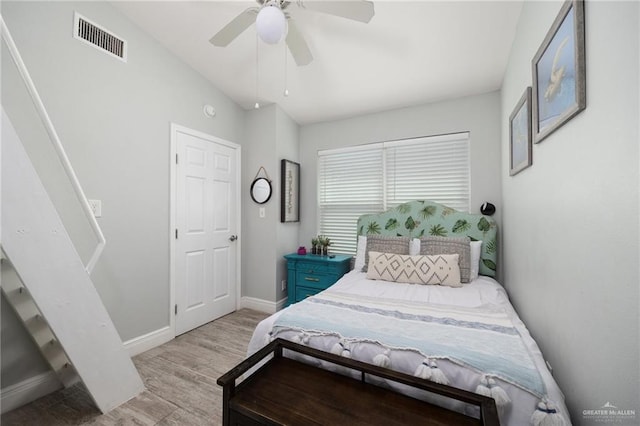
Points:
x=382, y=244
x=450, y=245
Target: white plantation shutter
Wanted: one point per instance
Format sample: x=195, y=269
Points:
x=430, y=168
x=372, y=178
x=349, y=185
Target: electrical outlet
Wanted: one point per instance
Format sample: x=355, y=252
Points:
x=96, y=207
x=283, y=285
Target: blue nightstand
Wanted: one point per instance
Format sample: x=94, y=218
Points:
x=310, y=274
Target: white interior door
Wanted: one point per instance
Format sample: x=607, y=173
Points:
x=206, y=226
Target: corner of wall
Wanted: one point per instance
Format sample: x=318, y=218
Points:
x=288, y=147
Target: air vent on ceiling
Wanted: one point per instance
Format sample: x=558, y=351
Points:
x=98, y=37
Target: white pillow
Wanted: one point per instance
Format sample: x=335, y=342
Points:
x=414, y=247
x=476, y=249
x=360, y=252
x=441, y=269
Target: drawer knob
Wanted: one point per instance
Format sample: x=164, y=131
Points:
x=311, y=279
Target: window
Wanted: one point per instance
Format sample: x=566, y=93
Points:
x=375, y=177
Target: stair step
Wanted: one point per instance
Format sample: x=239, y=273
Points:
x=25, y=308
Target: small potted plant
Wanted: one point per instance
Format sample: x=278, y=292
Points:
x=325, y=242
x=315, y=244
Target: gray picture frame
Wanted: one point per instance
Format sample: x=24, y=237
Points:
x=520, y=135
x=559, y=72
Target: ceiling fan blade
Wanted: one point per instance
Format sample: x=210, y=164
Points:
x=234, y=28
x=297, y=45
x=358, y=10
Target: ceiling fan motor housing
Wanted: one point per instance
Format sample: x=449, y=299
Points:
x=271, y=23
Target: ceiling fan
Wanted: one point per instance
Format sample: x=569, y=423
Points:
x=270, y=19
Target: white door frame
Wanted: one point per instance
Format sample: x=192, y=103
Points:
x=175, y=128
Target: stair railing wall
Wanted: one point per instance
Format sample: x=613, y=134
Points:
x=56, y=144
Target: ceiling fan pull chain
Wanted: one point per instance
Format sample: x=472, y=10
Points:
x=286, y=90
x=257, y=105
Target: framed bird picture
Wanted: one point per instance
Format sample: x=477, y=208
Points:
x=520, y=134
x=559, y=83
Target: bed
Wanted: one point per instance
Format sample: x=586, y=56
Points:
x=462, y=331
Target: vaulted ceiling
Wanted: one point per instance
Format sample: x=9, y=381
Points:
x=412, y=52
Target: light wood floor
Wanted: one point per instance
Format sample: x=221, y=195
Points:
x=180, y=379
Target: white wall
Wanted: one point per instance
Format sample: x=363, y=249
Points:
x=570, y=222
x=259, y=234
x=480, y=115
x=271, y=135
x=114, y=120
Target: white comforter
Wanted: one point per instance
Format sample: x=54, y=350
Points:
x=483, y=291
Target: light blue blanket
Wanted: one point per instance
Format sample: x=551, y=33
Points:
x=483, y=339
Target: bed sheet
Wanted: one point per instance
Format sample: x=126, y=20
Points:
x=482, y=292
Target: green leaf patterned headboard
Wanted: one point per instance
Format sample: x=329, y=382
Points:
x=422, y=218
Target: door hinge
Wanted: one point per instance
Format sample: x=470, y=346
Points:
x=175, y=309
x=176, y=233
x=176, y=158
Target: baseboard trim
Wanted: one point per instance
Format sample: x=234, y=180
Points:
x=281, y=303
x=262, y=305
x=258, y=304
x=29, y=390
x=143, y=343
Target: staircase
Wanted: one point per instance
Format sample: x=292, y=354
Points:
x=26, y=310
x=51, y=290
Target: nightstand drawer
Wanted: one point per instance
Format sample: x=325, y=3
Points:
x=319, y=281
x=313, y=267
x=304, y=292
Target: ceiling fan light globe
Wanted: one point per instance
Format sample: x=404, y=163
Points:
x=271, y=24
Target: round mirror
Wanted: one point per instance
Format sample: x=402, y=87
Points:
x=261, y=190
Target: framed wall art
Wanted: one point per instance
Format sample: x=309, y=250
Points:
x=290, y=191
x=559, y=83
x=520, y=134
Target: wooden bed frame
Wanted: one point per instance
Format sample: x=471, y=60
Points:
x=285, y=391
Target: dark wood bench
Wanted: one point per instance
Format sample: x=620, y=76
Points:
x=288, y=392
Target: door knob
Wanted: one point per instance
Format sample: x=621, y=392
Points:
x=233, y=238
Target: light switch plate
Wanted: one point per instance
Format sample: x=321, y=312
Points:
x=96, y=207
x=261, y=211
